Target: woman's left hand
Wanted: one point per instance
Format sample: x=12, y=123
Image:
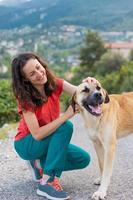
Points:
x=90, y=80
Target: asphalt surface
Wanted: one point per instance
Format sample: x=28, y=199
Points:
x=16, y=182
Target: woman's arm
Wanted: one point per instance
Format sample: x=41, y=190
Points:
x=70, y=89
x=41, y=132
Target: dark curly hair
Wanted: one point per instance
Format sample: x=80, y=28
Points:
x=24, y=91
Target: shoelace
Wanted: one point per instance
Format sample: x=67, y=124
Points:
x=56, y=184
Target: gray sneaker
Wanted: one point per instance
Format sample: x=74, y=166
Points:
x=52, y=190
x=36, y=172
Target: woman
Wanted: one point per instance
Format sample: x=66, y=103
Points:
x=42, y=133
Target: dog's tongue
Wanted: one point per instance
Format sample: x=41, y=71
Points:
x=96, y=109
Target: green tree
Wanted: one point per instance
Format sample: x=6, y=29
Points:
x=92, y=51
x=109, y=62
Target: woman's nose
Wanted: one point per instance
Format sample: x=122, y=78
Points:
x=39, y=74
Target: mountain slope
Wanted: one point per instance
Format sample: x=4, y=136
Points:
x=98, y=14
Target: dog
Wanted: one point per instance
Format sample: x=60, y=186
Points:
x=107, y=118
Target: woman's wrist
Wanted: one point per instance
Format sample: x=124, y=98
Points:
x=64, y=117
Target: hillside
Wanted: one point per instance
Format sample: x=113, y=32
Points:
x=104, y=15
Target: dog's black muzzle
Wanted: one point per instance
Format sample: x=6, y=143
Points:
x=92, y=103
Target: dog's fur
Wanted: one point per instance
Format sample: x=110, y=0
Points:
x=107, y=117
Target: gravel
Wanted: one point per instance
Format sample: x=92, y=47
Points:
x=16, y=182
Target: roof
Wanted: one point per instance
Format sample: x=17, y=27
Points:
x=120, y=45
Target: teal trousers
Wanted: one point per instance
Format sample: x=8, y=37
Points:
x=55, y=152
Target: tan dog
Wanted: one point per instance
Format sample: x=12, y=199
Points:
x=107, y=119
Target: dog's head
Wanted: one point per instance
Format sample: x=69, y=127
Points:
x=90, y=96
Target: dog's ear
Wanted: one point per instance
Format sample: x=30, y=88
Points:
x=73, y=101
x=106, y=97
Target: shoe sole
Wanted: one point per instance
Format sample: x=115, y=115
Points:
x=32, y=173
x=40, y=193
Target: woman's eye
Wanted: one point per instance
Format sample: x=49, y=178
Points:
x=32, y=74
x=38, y=67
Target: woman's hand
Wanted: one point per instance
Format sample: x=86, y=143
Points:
x=70, y=112
x=90, y=80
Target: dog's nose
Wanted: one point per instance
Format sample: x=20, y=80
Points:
x=98, y=95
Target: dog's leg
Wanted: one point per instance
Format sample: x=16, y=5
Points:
x=107, y=171
x=100, y=155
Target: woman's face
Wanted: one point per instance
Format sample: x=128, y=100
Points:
x=35, y=72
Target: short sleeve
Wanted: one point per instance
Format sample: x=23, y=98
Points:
x=59, y=86
x=27, y=107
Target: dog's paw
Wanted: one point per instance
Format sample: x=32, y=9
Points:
x=99, y=195
x=97, y=181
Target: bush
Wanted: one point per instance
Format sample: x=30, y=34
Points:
x=120, y=80
x=8, y=107
x=109, y=62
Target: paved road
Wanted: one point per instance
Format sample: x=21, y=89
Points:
x=16, y=183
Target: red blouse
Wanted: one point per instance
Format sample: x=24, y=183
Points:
x=45, y=113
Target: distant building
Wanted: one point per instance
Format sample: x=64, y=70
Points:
x=121, y=47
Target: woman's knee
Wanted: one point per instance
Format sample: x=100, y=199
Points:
x=67, y=127
x=85, y=160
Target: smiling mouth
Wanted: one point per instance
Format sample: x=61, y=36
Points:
x=94, y=110
x=42, y=78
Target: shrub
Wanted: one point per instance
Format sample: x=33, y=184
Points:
x=120, y=80
x=8, y=107
x=109, y=62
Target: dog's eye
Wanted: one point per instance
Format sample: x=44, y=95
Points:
x=86, y=89
x=98, y=87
